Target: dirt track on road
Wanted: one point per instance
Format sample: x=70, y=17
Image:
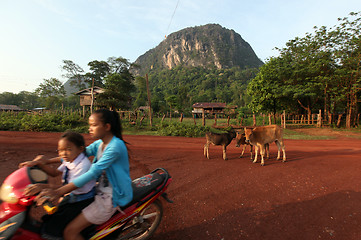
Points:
x=316, y=194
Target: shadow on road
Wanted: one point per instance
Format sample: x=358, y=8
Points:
x=333, y=216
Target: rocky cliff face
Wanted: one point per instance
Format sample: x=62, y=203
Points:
x=206, y=46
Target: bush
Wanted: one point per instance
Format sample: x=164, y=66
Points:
x=182, y=129
x=60, y=122
x=46, y=122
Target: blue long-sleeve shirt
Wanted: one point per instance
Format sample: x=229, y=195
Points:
x=115, y=163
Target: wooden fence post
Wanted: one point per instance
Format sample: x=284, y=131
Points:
x=203, y=118
x=319, y=119
x=215, y=119
x=254, y=120
x=349, y=115
x=269, y=119
x=181, y=118
x=284, y=119
x=194, y=119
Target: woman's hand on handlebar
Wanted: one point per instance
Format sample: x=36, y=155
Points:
x=37, y=160
x=47, y=195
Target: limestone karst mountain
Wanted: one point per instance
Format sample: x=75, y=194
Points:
x=210, y=45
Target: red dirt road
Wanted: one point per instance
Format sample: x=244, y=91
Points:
x=316, y=194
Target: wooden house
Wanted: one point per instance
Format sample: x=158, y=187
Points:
x=4, y=107
x=88, y=96
x=205, y=108
x=212, y=108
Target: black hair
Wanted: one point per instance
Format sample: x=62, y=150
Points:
x=74, y=137
x=111, y=117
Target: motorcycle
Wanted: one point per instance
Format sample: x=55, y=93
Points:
x=138, y=220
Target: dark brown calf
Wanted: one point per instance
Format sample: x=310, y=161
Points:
x=223, y=139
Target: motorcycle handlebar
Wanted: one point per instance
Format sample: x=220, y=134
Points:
x=49, y=207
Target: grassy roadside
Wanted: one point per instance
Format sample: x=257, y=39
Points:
x=291, y=132
x=296, y=135
x=189, y=127
x=288, y=134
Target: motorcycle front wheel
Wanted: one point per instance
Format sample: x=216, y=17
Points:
x=144, y=225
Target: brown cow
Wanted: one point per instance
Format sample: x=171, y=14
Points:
x=223, y=139
x=259, y=136
x=241, y=140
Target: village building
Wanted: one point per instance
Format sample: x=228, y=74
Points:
x=4, y=107
x=88, y=96
x=208, y=109
x=212, y=108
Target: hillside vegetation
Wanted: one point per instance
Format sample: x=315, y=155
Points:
x=181, y=87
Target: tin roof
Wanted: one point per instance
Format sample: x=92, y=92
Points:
x=87, y=91
x=9, y=107
x=209, y=105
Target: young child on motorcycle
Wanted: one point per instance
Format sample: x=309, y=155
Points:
x=110, y=167
x=71, y=150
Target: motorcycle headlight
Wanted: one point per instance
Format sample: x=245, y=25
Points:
x=7, y=194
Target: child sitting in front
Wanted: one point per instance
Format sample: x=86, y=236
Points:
x=71, y=150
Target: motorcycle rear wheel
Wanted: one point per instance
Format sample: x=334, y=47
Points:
x=144, y=225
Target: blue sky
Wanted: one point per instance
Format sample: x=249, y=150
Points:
x=36, y=35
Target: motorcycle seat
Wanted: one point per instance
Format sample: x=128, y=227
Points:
x=145, y=185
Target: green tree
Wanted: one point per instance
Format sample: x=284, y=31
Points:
x=28, y=100
x=141, y=98
x=9, y=98
x=75, y=73
x=320, y=70
x=24, y=99
x=118, y=89
x=266, y=89
x=98, y=71
x=71, y=102
x=172, y=102
x=347, y=40
x=183, y=98
x=302, y=57
x=119, y=64
x=51, y=87
x=52, y=91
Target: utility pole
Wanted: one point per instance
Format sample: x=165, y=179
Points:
x=92, y=96
x=150, y=106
